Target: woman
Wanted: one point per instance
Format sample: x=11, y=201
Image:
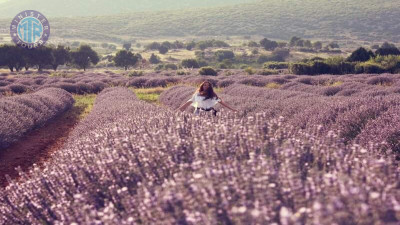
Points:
x=205, y=99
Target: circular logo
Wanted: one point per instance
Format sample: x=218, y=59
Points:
x=30, y=29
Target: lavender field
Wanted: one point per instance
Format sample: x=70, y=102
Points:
x=302, y=150
x=20, y=114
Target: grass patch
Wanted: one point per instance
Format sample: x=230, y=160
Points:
x=83, y=105
x=334, y=84
x=273, y=85
x=150, y=95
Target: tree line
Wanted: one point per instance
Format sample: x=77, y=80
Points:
x=386, y=59
x=17, y=58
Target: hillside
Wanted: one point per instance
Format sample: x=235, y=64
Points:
x=366, y=20
x=60, y=8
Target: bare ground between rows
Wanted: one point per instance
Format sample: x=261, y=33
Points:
x=37, y=145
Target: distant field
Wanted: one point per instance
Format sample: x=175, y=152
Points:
x=358, y=20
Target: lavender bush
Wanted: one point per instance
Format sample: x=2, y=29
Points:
x=20, y=114
x=150, y=165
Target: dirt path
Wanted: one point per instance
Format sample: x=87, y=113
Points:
x=38, y=144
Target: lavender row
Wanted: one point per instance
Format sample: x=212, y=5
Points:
x=350, y=117
x=20, y=114
x=155, y=166
x=90, y=82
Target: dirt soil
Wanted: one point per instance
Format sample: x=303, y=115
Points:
x=36, y=146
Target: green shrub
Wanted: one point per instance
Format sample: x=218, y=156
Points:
x=224, y=54
x=222, y=66
x=154, y=59
x=170, y=66
x=181, y=72
x=190, y=63
x=276, y=65
x=267, y=72
x=299, y=68
x=208, y=71
x=369, y=67
x=135, y=73
x=249, y=70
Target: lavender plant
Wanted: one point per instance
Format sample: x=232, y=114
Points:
x=20, y=114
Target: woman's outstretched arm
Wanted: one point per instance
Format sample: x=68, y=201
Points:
x=227, y=106
x=184, y=106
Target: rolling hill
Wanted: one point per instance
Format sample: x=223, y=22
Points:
x=367, y=20
x=70, y=8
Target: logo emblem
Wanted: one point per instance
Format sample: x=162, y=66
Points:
x=30, y=29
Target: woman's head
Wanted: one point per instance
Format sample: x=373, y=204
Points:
x=206, y=89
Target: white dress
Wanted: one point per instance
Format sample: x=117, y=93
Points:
x=199, y=102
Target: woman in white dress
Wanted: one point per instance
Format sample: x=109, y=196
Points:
x=205, y=99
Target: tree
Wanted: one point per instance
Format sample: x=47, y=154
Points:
x=153, y=46
x=84, y=56
x=388, y=45
x=41, y=57
x=253, y=44
x=61, y=56
x=317, y=45
x=190, y=63
x=360, y=55
x=307, y=43
x=387, y=49
x=268, y=44
x=293, y=41
x=190, y=45
x=13, y=57
x=166, y=44
x=224, y=54
x=333, y=45
x=154, y=59
x=162, y=49
x=127, y=46
x=125, y=58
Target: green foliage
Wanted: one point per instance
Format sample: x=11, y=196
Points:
x=209, y=71
x=61, y=56
x=317, y=45
x=333, y=45
x=182, y=72
x=276, y=65
x=391, y=63
x=253, y=44
x=294, y=41
x=277, y=55
x=224, y=54
x=154, y=59
x=163, y=49
x=369, y=67
x=170, y=66
x=202, y=45
x=127, y=46
x=268, y=44
x=190, y=63
x=84, y=56
x=267, y=72
x=125, y=59
x=153, y=46
x=249, y=70
x=387, y=49
x=135, y=73
x=360, y=55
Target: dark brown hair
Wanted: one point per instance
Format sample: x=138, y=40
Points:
x=209, y=93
